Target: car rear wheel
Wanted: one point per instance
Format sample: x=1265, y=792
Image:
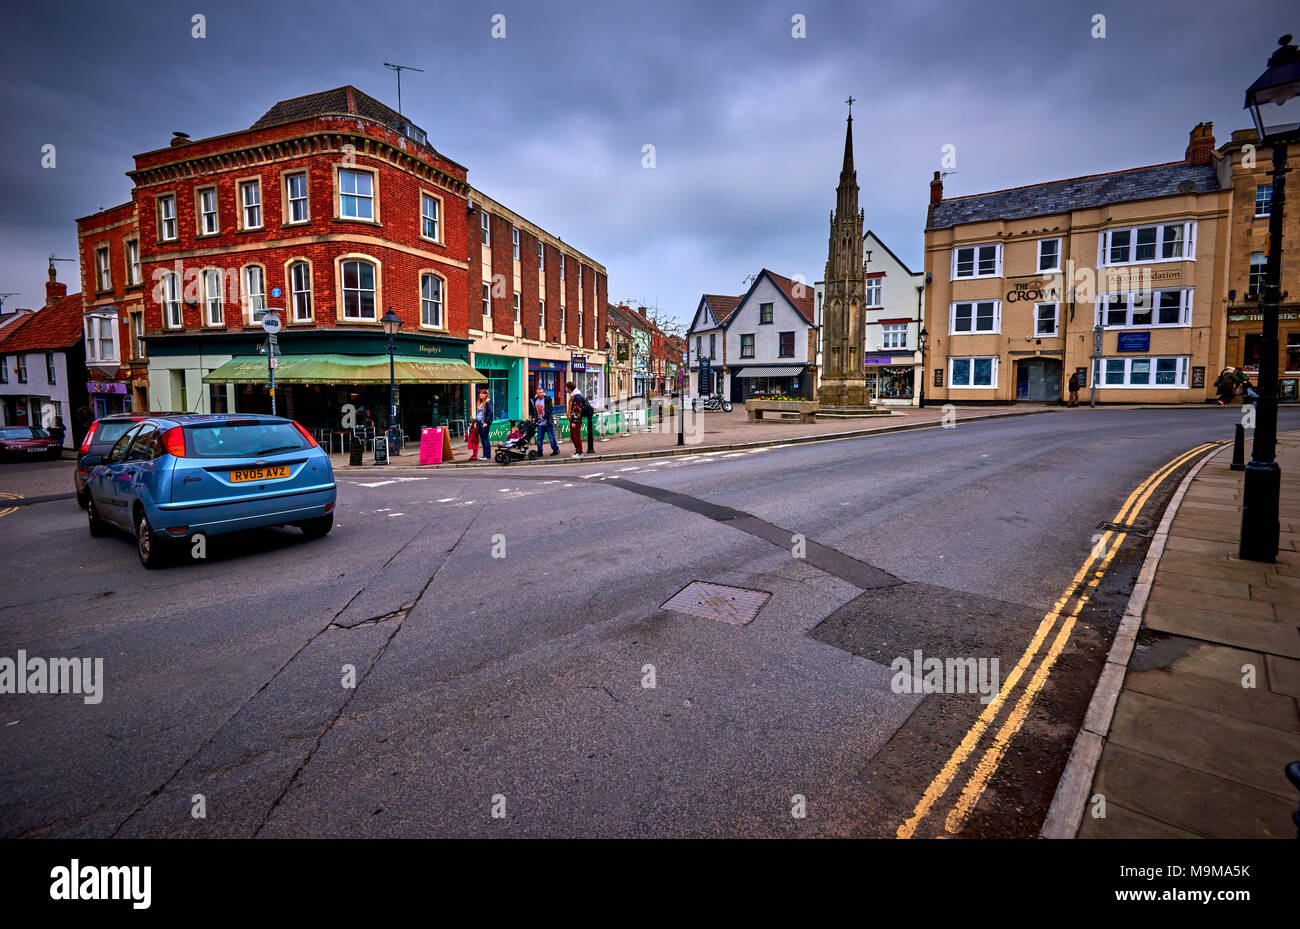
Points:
x=83, y=499
x=97, y=527
x=319, y=527
x=149, y=545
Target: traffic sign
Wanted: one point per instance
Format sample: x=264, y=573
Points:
x=271, y=323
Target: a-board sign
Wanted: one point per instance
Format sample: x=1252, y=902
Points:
x=381, y=450
x=435, y=445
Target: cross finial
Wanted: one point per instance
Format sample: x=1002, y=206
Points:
x=850, y=103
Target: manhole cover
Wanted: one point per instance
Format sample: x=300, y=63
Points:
x=735, y=605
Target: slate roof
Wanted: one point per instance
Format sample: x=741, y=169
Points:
x=341, y=101
x=48, y=329
x=1076, y=193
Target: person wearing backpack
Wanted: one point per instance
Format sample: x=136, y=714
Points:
x=579, y=409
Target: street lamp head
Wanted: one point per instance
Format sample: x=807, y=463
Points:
x=925, y=334
x=1274, y=98
x=391, y=322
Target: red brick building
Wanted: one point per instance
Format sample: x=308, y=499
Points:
x=331, y=208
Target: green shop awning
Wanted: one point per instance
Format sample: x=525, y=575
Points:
x=343, y=369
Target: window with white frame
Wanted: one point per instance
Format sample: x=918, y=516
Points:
x=295, y=188
x=169, y=295
x=254, y=284
x=713, y=345
x=429, y=217
x=514, y=243
x=213, y=312
x=101, y=335
x=167, y=218
x=541, y=319
x=1049, y=255
x=50, y=373
x=541, y=256
x=300, y=291
x=875, y=291
x=977, y=261
x=893, y=336
x=20, y=367
x=208, y=211
x=579, y=278
x=564, y=325
x=356, y=194
x=358, y=290
x=1263, y=199
x=431, y=301
x=103, y=273
x=561, y=266
x=1046, y=319
x=1145, y=371
x=516, y=305
x=975, y=316
x=250, y=195
x=1258, y=268
x=1138, y=244
x=485, y=228
x=132, y=248
x=137, y=335
x=747, y=345
x=1145, y=309
x=4, y=369
x=977, y=371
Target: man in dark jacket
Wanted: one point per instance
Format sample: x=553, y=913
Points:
x=542, y=412
x=1073, y=386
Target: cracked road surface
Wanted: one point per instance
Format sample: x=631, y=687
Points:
x=396, y=677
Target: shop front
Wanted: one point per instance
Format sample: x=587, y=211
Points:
x=891, y=381
x=108, y=397
x=1246, y=348
x=502, y=377
x=771, y=382
x=550, y=375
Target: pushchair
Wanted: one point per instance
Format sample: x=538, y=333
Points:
x=519, y=447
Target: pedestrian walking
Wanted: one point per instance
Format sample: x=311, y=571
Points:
x=1248, y=392
x=483, y=423
x=1073, y=386
x=543, y=413
x=471, y=441
x=57, y=431
x=578, y=408
x=1225, y=385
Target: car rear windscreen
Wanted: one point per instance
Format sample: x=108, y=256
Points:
x=112, y=430
x=242, y=440
x=22, y=432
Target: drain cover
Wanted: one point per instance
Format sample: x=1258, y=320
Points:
x=735, y=605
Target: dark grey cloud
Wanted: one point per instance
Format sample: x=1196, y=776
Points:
x=747, y=121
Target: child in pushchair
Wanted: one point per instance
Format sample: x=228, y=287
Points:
x=516, y=447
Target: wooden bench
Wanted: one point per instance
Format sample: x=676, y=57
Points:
x=805, y=410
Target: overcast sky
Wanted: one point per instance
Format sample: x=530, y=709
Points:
x=747, y=121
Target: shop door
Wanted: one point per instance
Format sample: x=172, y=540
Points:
x=1038, y=380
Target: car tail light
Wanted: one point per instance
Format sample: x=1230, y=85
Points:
x=90, y=434
x=329, y=508
x=174, y=441
x=305, y=434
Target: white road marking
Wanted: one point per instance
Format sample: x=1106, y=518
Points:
x=396, y=514
x=597, y=474
x=446, y=499
x=376, y=484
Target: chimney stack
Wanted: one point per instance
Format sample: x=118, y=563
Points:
x=1200, y=144
x=936, y=189
x=54, y=290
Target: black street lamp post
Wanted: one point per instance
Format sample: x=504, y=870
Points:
x=921, y=340
x=1274, y=104
x=391, y=322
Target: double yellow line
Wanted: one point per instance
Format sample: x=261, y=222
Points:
x=6, y=510
x=1098, y=562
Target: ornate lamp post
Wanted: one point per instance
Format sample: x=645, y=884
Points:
x=1274, y=104
x=391, y=322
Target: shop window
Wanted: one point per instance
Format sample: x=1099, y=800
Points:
x=1292, y=351
x=1252, y=349
x=973, y=372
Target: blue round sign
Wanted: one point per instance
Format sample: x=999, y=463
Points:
x=275, y=291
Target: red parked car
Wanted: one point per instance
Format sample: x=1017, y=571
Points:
x=28, y=442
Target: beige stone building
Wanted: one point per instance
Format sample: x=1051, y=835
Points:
x=1018, y=280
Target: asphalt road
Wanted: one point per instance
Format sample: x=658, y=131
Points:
x=502, y=624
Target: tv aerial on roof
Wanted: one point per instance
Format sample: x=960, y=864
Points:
x=399, y=69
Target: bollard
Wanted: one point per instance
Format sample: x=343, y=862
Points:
x=681, y=421
x=591, y=442
x=1239, y=449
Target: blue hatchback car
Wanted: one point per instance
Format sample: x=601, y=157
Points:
x=171, y=477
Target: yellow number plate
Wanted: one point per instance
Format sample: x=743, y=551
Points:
x=258, y=474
